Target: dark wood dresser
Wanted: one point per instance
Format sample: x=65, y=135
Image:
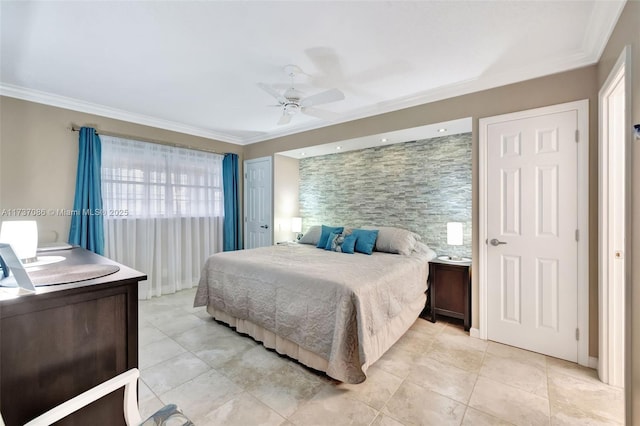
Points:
x=450, y=290
x=65, y=339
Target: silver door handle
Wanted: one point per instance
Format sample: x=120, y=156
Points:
x=496, y=242
x=264, y=226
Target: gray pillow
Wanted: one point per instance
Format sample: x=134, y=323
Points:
x=312, y=236
x=394, y=240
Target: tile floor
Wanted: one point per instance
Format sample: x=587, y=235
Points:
x=435, y=375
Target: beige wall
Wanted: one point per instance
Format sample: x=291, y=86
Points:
x=627, y=32
x=559, y=88
x=286, y=180
x=39, y=154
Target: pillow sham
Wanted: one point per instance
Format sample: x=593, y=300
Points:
x=395, y=240
x=312, y=236
x=326, y=231
x=365, y=240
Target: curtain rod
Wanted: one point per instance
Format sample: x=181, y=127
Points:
x=175, y=145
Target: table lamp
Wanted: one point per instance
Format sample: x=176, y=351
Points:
x=22, y=236
x=455, y=237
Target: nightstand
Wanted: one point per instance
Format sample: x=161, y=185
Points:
x=450, y=290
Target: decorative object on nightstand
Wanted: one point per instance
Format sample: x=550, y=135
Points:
x=455, y=237
x=296, y=227
x=450, y=290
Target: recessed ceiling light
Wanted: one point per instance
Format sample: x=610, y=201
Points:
x=442, y=130
x=383, y=140
x=302, y=154
x=338, y=147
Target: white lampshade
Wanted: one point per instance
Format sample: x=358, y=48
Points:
x=22, y=236
x=455, y=233
x=296, y=224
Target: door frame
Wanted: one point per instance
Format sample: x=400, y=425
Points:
x=246, y=196
x=610, y=355
x=582, y=107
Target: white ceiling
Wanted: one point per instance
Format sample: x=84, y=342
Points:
x=194, y=67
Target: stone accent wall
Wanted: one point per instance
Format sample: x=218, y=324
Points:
x=419, y=185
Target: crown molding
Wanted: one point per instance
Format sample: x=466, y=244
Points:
x=602, y=21
x=490, y=81
x=46, y=98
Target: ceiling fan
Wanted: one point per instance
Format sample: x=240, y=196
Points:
x=293, y=103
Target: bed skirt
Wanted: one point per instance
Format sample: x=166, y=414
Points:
x=270, y=340
x=380, y=344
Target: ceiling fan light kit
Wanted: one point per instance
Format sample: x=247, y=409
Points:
x=291, y=108
x=292, y=103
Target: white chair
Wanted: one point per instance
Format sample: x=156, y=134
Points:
x=128, y=379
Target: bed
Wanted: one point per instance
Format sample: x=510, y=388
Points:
x=334, y=312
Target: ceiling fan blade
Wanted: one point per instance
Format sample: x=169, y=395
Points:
x=284, y=119
x=325, y=97
x=320, y=113
x=270, y=90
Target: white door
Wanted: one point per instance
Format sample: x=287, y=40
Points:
x=615, y=137
x=532, y=223
x=258, y=203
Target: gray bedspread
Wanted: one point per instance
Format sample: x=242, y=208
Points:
x=346, y=308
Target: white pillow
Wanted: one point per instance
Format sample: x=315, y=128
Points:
x=312, y=236
x=422, y=248
x=394, y=240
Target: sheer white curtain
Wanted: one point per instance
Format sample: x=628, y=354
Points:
x=164, y=211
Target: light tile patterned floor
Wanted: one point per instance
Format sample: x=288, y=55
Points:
x=435, y=375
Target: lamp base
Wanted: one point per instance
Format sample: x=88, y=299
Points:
x=44, y=260
x=454, y=258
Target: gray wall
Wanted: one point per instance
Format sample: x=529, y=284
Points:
x=419, y=185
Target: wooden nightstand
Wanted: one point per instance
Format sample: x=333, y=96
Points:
x=450, y=290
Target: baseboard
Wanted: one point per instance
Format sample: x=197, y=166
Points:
x=593, y=362
x=474, y=332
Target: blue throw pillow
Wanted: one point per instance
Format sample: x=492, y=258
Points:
x=365, y=240
x=349, y=244
x=326, y=231
x=341, y=243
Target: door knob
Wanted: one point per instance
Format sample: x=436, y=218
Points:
x=496, y=242
x=264, y=226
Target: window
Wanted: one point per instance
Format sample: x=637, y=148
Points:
x=141, y=179
x=164, y=211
